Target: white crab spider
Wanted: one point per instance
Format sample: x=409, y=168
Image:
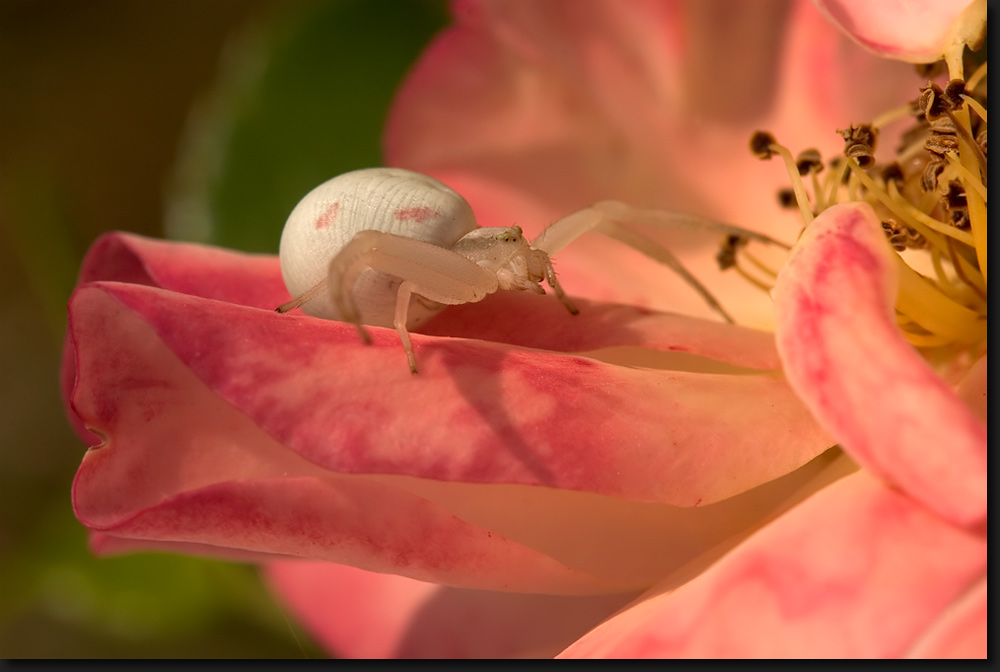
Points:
x=391, y=247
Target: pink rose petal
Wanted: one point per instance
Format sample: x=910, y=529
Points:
x=282, y=372
x=972, y=388
x=843, y=352
x=359, y=614
x=858, y=570
x=187, y=268
x=203, y=409
x=961, y=630
x=175, y=447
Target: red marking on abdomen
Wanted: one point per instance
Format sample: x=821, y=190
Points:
x=418, y=214
x=328, y=217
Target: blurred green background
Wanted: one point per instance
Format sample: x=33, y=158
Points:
x=198, y=120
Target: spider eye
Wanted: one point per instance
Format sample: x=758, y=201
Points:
x=511, y=235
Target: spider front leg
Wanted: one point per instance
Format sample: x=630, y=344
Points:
x=615, y=219
x=550, y=277
x=433, y=272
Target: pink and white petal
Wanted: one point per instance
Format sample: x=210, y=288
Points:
x=199, y=403
x=509, y=405
x=917, y=31
x=960, y=632
x=858, y=570
x=845, y=356
x=359, y=614
x=178, y=464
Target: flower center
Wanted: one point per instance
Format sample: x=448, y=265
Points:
x=931, y=198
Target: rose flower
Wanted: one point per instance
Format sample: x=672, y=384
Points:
x=640, y=479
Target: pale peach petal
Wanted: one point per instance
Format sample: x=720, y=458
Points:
x=534, y=110
x=917, y=31
x=360, y=614
x=353, y=521
x=844, y=354
x=858, y=570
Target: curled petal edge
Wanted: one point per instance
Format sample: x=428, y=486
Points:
x=847, y=359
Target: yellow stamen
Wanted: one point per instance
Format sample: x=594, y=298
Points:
x=968, y=179
x=904, y=210
x=969, y=29
x=834, y=180
x=892, y=115
x=927, y=306
x=966, y=272
x=923, y=340
x=852, y=181
x=797, y=186
x=963, y=131
x=975, y=105
x=945, y=282
x=976, y=203
x=935, y=191
x=752, y=280
x=820, y=205
x=760, y=264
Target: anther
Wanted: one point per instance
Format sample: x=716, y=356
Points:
x=956, y=203
x=960, y=219
x=929, y=176
x=902, y=237
x=760, y=145
x=955, y=198
x=952, y=94
x=786, y=197
x=809, y=160
x=859, y=144
x=941, y=144
x=931, y=101
x=944, y=124
x=894, y=234
x=726, y=256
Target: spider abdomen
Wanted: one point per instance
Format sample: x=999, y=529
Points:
x=391, y=200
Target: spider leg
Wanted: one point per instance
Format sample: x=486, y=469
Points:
x=612, y=218
x=550, y=277
x=402, y=308
x=434, y=273
x=308, y=295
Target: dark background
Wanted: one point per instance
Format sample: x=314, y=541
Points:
x=110, y=111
